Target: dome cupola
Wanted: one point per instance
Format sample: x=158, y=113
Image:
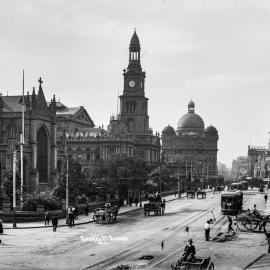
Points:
x=168, y=130
x=211, y=131
x=190, y=122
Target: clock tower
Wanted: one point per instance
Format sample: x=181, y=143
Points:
x=133, y=103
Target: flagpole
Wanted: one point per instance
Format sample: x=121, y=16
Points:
x=21, y=146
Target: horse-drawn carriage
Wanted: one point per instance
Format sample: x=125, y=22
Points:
x=201, y=193
x=155, y=205
x=196, y=263
x=251, y=220
x=191, y=193
x=105, y=214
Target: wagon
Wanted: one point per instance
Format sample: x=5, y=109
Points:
x=106, y=214
x=250, y=221
x=201, y=193
x=155, y=205
x=191, y=193
x=196, y=263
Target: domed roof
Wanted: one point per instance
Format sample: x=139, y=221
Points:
x=134, y=42
x=190, y=121
x=211, y=131
x=168, y=130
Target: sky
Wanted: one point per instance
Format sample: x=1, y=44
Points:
x=215, y=52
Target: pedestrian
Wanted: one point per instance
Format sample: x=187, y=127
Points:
x=76, y=212
x=263, y=223
x=54, y=223
x=130, y=201
x=73, y=210
x=86, y=209
x=265, y=197
x=163, y=205
x=136, y=201
x=267, y=234
x=230, y=228
x=47, y=218
x=207, y=228
x=125, y=202
x=1, y=227
x=71, y=218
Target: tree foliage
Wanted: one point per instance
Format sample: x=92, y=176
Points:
x=121, y=173
x=77, y=182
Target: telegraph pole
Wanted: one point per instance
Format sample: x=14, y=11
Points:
x=21, y=147
x=67, y=193
x=14, y=189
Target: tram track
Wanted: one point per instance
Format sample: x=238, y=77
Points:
x=172, y=253
x=130, y=253
x=134, y=251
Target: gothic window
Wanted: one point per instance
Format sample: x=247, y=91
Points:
x=59, y=166
x=42, y=155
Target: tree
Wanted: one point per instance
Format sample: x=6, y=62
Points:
x=8, y=187
x=78, y=185
x=121, y=174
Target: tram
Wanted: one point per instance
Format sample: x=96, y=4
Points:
x=239, y=185
x=231, y=203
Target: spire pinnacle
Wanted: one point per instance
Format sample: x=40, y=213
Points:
x=40, y=82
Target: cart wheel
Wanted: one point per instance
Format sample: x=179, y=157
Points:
x=211, y=266
x=241, y=225
x=251, y=225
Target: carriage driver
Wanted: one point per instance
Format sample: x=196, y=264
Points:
x=107, y=204
x=189, y=252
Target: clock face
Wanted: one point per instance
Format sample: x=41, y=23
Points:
x=131, y=83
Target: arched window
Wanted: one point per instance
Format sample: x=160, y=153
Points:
x=42, y=155
x=59, y=166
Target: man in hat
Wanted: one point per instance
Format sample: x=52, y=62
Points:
x=189, y=251
x=207, y=228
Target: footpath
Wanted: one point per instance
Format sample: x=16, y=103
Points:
x=247, y=250
x=82, y=219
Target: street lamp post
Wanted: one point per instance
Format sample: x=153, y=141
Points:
x=140, y=191
x=67, y=188
x=14, y=189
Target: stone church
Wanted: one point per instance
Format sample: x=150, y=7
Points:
x=40, y=149
x=191, y=150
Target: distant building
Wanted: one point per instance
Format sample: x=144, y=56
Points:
x=191, y=150
x=224, y=171
x=259, y=161
x=240, y=168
